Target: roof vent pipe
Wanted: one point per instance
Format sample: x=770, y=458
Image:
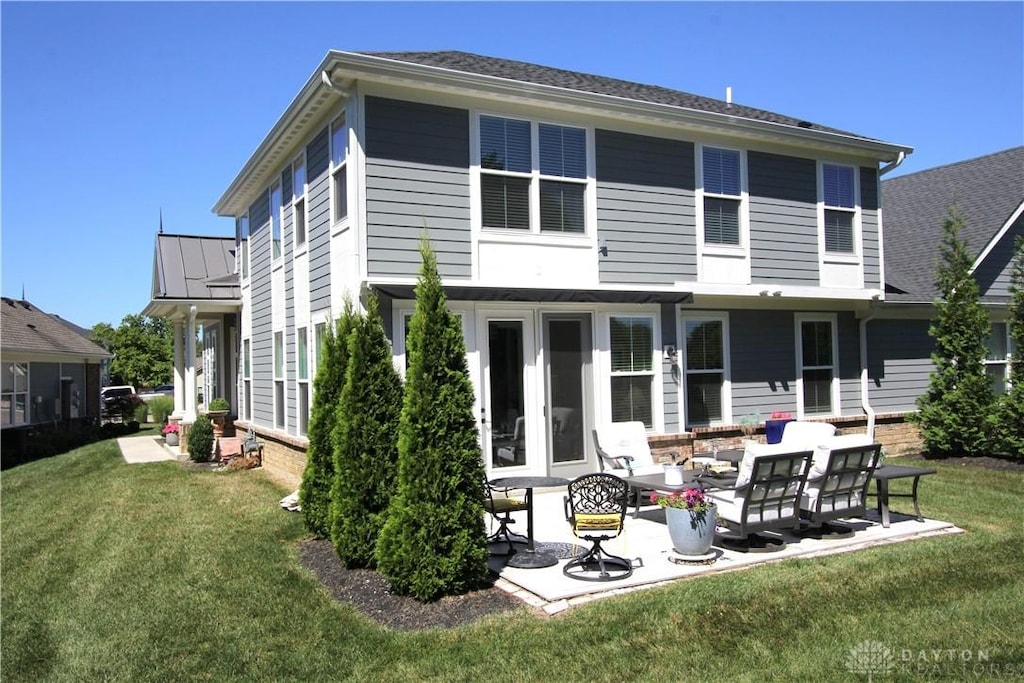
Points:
x=728, y=95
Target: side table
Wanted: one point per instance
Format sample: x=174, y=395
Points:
x=884, y=474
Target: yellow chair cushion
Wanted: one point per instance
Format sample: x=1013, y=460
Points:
x=600, y=521
x=507, y=505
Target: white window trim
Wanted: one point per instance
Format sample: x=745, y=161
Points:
x=824, y=256
x=302, y=385
x=283, y=426
x=14, y=392
x=244, y=264
x=534, y=233
x=341, y=225
x=1005, y=363
x=742, y=250
x=722, y=317
x=246, y=390
x=299, y=202
x=606, y=374
x=833, y=320
x=277, y=260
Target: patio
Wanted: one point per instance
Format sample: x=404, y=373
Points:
x=646, y=537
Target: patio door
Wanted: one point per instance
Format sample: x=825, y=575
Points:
x=507, y=426
x=568, y=374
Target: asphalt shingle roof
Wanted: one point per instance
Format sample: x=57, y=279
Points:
x=25, y=328
x=573, y=80
x=987, y=191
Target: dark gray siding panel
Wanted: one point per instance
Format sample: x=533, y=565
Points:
x=645, y=208
x=783, y=219
x=417, y=174
x=763, y=357
x=670, y=379
x=849, y=364
x=869, y=227
x=262, y=342
x=899, y=363
x=319, y=222
x=993, y=274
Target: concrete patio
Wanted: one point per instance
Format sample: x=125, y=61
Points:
x=646, y=537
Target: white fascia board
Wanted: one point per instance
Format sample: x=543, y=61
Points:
x=998, y=236
x=776, y=292
x=16, y=355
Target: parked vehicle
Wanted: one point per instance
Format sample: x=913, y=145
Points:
x=110, y=395
x=162, y=390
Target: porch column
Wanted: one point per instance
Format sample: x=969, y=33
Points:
x=190, y=366
x=179, y=370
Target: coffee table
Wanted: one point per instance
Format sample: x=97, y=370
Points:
x=656, y=482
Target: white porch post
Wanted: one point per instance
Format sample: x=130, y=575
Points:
x=179, y=370
x=190, y=366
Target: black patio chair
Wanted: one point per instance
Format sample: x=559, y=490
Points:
x=596, y=507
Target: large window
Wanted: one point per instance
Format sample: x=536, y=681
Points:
x=242, y=234
x=275, y=218
x=705, y=369
x=14, y=396
x=302, y=380
x=279, y=380
x=818, y=374
x=246, y=379
x=515, y=193
x=632, y=369
x=722, y=196
x=840, y=207
x=996, y=364
x=339, y=168
x=299, y=200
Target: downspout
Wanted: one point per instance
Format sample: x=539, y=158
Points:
x=865, y=401
x=892, y=165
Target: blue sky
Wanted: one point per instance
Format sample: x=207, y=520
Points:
x=112, y=112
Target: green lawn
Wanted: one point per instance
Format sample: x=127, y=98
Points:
x=155, y=572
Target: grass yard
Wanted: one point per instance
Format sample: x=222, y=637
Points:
x=156, y=572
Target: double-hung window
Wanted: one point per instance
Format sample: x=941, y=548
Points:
x=838, y=195
x=339, y=168
x=279, y=380
x=299, y=200
x=705, y=369
x=302, y=380
x=242, y=232
x=722, y=196
x=246, y=379
x=533, y=176
x=14, y=396
x=996, y=365
x=818, y=375
x=632, y=369
x=275, y=218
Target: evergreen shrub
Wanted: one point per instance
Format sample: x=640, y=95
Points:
x=160, y=407
x=200, y=439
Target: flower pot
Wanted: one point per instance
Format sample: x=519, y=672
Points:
x=773, y=430
x=673, y=473
x=171, y=439
x=692, y=532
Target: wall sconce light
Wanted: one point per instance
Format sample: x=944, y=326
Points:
x=670, y=352
x=602, y=247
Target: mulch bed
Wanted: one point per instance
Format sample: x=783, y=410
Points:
x=370, y=593
x=986, y=462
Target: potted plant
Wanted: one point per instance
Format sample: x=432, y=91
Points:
x=218, y=413
x=674, y=470
x=170, y=432
x=691, y=520
x=749, y=424
x=775, y=424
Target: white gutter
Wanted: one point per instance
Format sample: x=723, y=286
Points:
x=892, y=165
x=865, y=401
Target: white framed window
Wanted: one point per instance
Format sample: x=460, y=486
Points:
x=339, y=169
x=817, y=354
x=534, y=177
x=996, y=362
x=302, y=378
x=14, y=395
x=246, y=380
x=722, y=185
x=319, y=339
x=279, y=422
x=275, y=219
x=631, y=347
x=706, y=369
x=242, y=233
x=299, y=201
x=839, y=215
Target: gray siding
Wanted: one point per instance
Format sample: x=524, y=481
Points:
x=783, y=219
x=288, y=249
x=670, y=376
x=417, y=174
x=848, y=332
x=645, y=208
x=993, y=274
x=899, y=363
x=763, y=355
x=318, y=221
x=869, y=227
x=262, y=341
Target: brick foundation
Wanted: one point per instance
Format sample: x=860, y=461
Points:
x=284, y=457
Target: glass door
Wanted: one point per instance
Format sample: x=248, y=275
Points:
x=507, y=359
x=569, y=379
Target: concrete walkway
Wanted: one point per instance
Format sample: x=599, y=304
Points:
x=146, y=448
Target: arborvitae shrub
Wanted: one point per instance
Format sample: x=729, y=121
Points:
x=200, y=439
x=318, y=477
x=1011, y=404
x=366, y=442
x=433, y=542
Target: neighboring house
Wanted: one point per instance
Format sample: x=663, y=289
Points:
x=616, y=251
x=989, y=194
x=195, y=284
x=50, y=367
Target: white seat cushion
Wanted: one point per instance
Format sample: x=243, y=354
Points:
x=751, y=451
x=801, y=435
x=821, y=451
x=619, y=439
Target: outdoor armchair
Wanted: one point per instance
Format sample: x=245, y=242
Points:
x=623, y=450
x=596, y=509
x=501, y=505
x=837, y=483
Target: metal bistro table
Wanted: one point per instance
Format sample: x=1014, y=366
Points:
x=530, y=558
